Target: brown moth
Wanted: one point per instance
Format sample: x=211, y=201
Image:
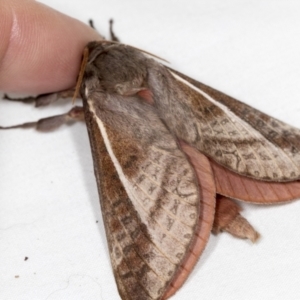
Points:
x=142, y=118
x=168, y=151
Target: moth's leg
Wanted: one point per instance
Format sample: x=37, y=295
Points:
x=43, y=99
x=52, y=123
x=228, y=218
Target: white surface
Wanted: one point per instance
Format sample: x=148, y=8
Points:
x=49, y=202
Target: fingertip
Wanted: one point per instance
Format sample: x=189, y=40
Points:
x=41, y=48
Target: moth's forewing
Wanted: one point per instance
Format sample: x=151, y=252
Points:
x=222, y=130
x=148, y=190
x=116, y=209
x=284, y=136
x=286, y=142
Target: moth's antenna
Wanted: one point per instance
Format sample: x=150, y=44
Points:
x=149, y=53
x=146, y=52
x=113, y=37
x=91, y=23
x=81, y=73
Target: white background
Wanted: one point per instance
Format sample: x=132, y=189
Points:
x=48, y=196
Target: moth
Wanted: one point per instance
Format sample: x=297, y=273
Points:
x=169, y=155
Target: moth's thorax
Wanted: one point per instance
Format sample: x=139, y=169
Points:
x=115, y=68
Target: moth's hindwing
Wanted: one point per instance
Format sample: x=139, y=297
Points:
x=149, y=194
x=235, y=186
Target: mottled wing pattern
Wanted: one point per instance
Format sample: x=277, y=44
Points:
x=149, y=194
x=235, y=135
x=202, y=167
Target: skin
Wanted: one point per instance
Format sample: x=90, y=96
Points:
x=41, y=48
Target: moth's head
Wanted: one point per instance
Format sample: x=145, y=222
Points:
x=95, y=48
x=114, y=68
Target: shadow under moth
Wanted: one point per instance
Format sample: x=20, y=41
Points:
x=169, y=155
